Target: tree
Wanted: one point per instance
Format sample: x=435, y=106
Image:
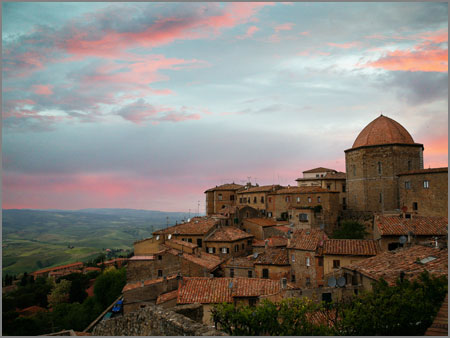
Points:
x=350, y=230
x=108, y=286
x=78, y=287
x=60, y=293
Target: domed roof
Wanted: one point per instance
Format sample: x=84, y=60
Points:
x=382, y=130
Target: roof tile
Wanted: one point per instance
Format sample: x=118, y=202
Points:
x=419, y=225
x=307, y=239
x=355, y=247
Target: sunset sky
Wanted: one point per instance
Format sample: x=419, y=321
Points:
x=147, y=105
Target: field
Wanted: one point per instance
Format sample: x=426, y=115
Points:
x=36, y=239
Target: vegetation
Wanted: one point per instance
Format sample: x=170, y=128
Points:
x=71, y=308
x=407, y=308
x=350, y=230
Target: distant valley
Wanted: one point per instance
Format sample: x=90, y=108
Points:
x=36, y=239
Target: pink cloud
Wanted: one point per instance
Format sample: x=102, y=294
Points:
x=178, y=117
x=435, y=37
x=250, y=31
x=284, y=27
x=43, y=89
x=344, y=45
x=305, y=33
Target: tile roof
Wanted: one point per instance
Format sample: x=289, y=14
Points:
x=166, y=297
x=60, y=267
x=206, y=260
x=440, y=322
x=92, y=268
x=263, y=188
x=242, y=262
x=389, y=264
x=31, y=310
x=228, y=209
x=196, y=226
x=228, y=186
x=355, y=247
x=419, y=225
x=227, y=234
x=275, y=241
x=206, y=290
x=273, y=256
x=283, y=228
x=182, y=243
x=425, y=171
x=142, y=258
x=318, y=170
x=303, y=190
x=140, y=284
x=307, y=239
x=264, y=222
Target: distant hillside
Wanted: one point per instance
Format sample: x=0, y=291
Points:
x=35, y=239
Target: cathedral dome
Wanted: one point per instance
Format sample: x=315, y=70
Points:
x=382, y=130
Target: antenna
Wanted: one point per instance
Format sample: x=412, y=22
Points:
x=331, y=282
x=341, y=281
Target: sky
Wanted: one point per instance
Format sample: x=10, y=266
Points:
x=147, y=105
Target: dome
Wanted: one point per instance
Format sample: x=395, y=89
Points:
x=382, y=130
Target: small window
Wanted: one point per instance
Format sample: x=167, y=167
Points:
x=159, y=257
x=308, y=262
x=407, y=185
x=243, y=246
x=159, y=273
x=303, y=217
x=250, y=274
x=262, y=199
x=343, y=188
x=236, y=248
x=232, y=198
x=269, y=199
x=320, y=261
x=290, y=216
x=212, y=250
x=199, y=242
x=309, y=199
x=293, y=258
x=426, y=184
x=252, y=302
x=409, y=165
x=248, y=200
x=318, y=199
x=308, y=281
x=190, y=240
x=336, y=263
x=379, y=168
x=240, y=200
x=225, y=250
x=231, y=272
x=415, y=206
x=265, y=273
x=220, y=197
x=269, y=214
x=326, y=297
x=254, y=199
x=293, y=278
x=288, y=198
x=328, y=186
x=317, y=175
x=298, y=199
x=381, y=197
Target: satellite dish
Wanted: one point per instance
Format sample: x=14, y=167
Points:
x=157, y=238
x=341, y=281
x=170, y=236
x=332, y=282
x=402, y=239
x=255, y=255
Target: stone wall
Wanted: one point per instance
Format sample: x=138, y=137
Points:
x=153, y=321
x=302, y=271
x=164, y=262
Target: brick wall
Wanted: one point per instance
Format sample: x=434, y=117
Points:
x=139, y=270
x=302, y=271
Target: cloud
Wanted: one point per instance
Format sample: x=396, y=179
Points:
x=343, y=45
x=284, y=27
x=249, y=33
x=43, y=89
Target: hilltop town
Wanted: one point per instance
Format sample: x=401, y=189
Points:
x=276, y=242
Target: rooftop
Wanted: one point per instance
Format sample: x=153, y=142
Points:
x=206, y=290
x=418, y=225
x=355, y=247
x=242, y=262
x=196, y=226
x=318, y=170
x=425, y=171
x=328, y=176
x=264, y=222
x=307, y=240
x=142, y=258
x=60, y=267
x=273, y=256
x=140, y=284
x=275, y=241
x=303, y=190
x=440, y=322
x=228, y=186
x=264, y=188
x=166, y=297
x=389, y=264
x=227, y=234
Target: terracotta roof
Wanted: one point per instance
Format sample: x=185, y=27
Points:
x=206, y=260
x=60, y=267
x=228, y=186
x=419, y=225
x=355, y=247
x=263, y=188
x=389, y=264
x=273, y=256
x=92, y=268
x=113, y=261
x=197, y=226
x=31, y=310
x=166, y=297
x=425, y=171
x=307, y=239
x=275, y=241
x=228, y=209
x=142, y=258
x=303, y=190
x=318, y=170
x=140, y=284
x=182, y=243
x=283, y=228
x=217, y=290
x=383, y=130
x=440, y=322
x=243, y=262
x=227, y=234
x=264, y=222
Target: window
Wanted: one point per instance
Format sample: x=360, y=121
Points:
x=269, y=199
x=415, y=207
x=265, y=273
x=269, y=214
x=240, y=200
x=248, y=200
x=190, y=240
x=308, y=262
x=298, y=199
x=236, y=248
x=409, y=165
x=232, y=198
x=328, y=186
x=252, y=302
x=426, y=184
x=343, y=188
x=381, y=197
x=320, y=261
x=212, y=250
x=293, y=278
x=407, y=185
x=293, y=258
x=159, y=273
x=379, y=168
x=393, y=246
x=309, y=199
x=262, y=199
x=254, y=199
x=159, y=258
x=317, y=175
x=303, y=217
x=308, y=281
x=290, y=216
x=225, y=250
x=288, y=198
x=220, y=197
x=250, y=274
x=231, y=272
x=318, y=199
x=326, y=297
x=199, y=242
x=249, y=242
x=243, y=246
x=336, y=263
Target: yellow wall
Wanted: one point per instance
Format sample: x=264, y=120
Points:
x=345, y=260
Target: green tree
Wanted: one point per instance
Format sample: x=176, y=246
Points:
x=350, y=230
x=80, y=283
x=108, y=286
x=60, y=293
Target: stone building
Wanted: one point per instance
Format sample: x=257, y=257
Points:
x=305, y=259
x=259, y=246
x=235, y=215
x=273, y=263
x=424, y=192
x=381, y=151
x=220, y=197
x=339, y=253
x=257, y=226
x=415, y=229
x=229, y=241
x=240, y=267
x=256, y=197
x=329, y=179
x=61, y=269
